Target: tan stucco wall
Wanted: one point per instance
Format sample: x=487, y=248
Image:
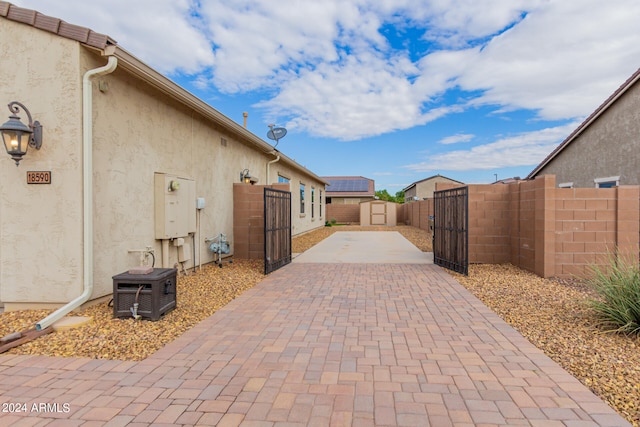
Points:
x=138, y=131
x=424, y=190
x=410, y=194
x=41, y=225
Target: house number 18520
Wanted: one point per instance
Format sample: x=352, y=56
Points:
x=38, y=177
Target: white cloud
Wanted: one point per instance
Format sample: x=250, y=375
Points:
x=525, y=149
x=457, y=138
x=328, y=69
x=562, y=60
x=163, y=33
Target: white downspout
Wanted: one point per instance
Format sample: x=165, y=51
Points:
x=274, y=152
x=87, y=193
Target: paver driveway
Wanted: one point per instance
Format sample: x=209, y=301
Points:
x=320, y=344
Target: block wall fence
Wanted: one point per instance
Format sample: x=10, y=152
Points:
x=549, y=231
x=343, y=213
x=248, y=219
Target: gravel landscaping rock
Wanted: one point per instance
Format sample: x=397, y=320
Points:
x=198, y=296
x=552, y=314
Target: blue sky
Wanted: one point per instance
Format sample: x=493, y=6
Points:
x=393, y=90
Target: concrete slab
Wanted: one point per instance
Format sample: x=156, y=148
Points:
x=365, y=247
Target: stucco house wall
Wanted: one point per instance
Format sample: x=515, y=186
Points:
x=142, y=125
x=39, y=222
x=424, y=189
x=605, y=145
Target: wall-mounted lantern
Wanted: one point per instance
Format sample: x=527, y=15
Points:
x=17, y=136
x=245, y=176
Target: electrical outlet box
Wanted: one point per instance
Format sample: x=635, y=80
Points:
x=174, y=213
x=200, y=203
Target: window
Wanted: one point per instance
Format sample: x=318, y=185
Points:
x=282, y=179
x=609, y=182
x=313, y=196
x=320, y=203
x=301, y=198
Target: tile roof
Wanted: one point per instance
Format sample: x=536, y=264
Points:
x=55, y=25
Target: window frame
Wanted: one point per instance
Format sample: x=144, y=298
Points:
x=614, y=180
x=313, y=195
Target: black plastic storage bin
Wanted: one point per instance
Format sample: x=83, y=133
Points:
x=156, y=293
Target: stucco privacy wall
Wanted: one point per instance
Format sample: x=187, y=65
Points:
x=138, y=130
x=547, y=230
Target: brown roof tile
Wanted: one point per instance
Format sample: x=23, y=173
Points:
x=19, y=14
x=55, y=25
x=73, y=32
x=47, y=23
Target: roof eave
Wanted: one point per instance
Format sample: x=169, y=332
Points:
x=141, y=70
x=587, y=122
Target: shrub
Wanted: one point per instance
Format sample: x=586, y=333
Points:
x=333, y=221
x=618, y=286
x=327, y=224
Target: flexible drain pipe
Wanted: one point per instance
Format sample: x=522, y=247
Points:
x=87, y=193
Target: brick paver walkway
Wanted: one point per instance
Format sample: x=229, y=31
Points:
x=319, y=345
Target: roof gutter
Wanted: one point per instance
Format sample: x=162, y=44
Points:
x=277, y=159
x=87, y=196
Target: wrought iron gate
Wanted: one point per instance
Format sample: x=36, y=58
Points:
x=277, y=229
x=451, y=229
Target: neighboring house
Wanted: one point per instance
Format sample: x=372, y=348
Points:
x=604, y=151
x=423, y=189
x=128, y=154
x=349, y=189
x=508, y=180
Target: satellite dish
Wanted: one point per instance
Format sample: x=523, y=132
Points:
x=276, y=133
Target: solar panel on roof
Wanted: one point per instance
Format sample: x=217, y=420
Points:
x=348, y=185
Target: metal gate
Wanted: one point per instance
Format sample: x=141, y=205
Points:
x=451, y=229
x=277, y=229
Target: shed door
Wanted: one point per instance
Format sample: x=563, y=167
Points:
x=378, y=213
